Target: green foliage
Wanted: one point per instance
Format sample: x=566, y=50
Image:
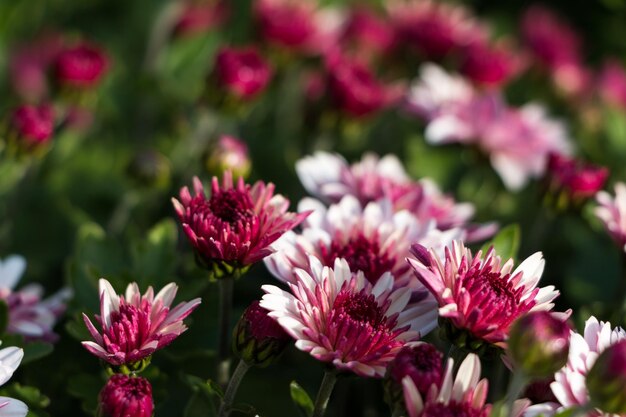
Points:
x=301, y=399
x=506, y=243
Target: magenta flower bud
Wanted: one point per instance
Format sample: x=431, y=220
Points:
x=242, y=72
x=81, y=66
x=539, y=343
x=258, y=339
x=576, y=180
x=607, y=378
x=421, y=362
x=229, y=153
x=369, y=33
x=288, y=23
x=355, y=89
x=126, y=396
x=33, y=125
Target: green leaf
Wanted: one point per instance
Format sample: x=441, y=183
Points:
x=30, y=395
x=154, y=259
x=506, y=242
x=86, y=387
x=301, y=399
x=36, y=350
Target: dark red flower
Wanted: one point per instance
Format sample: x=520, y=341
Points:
x=81, y=66
x=34, y=125
x=288, y=23
x=126, y=396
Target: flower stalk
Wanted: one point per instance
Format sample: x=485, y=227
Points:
x=226, y=285
x=323, y=395
x=233, y=386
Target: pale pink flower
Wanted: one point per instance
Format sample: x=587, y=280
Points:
x=462, y=395
x=612, y=212
x=569, y=386
x=134, y=326
x=10, y=359
x=237, y=223
x=341, y=318
x=330, y=177
x=482, y=295
x=29, y=315
x=373, y=239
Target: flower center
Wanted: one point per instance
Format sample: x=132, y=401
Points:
x=492, y=286
x=129, y=330
x=231, y=206
x=423, y=363
x=362, y=254
x=452, y=409
x=360, y=308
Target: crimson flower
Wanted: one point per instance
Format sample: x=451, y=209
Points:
x=242, y=72
x=81, y=66
x=236, y=225
x=134, y=326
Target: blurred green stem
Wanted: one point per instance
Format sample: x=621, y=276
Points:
x=517, y=384
x=160, y=33
x=323, y=395
x=226, y=285
x=233, y=386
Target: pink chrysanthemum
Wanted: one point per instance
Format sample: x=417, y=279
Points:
x=134, y=326
x=612, y=212
x=463, y=396
x=481, y=297
x=237, y=224
x=10, y=359
x=339, y=317
x=577, y=179
x=29, y=315
x=372, y=239
x=329, y=177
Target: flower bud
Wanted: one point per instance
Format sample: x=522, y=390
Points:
x=258, y=339
x=539, y=343
x=606, y=380
x=229, y=153
x=422, y=362
x=242, y=72
x=570, y=181
x=32, y=125
x=81, y=66
x=126, y=396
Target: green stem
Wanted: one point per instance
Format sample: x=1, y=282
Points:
x=517, y=384
x=231, y=390
x=323, y=395
x=226, y=285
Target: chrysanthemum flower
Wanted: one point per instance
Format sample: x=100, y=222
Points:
x=463, y=395
x=329, y=177
x=480, y=297
x=134, y=326
x=234, y=227
x=10, y=359
x=372, y=239
x=339, y=317
x=126, y=396
x=29, y=315
x=612, y=212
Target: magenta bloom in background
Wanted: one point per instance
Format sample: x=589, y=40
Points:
x=34, y=125
x=355, y=89
x=237, y=223
x=611, y=83
x=577, y=179
x=490, y=65
x=134, y=326
x=288, y=23
x=126, y=396
x=201, y=17
x=481, y=295
x=612, y=211
x=339, y=317
x=81, y=66
x=368, y=33
x=242, y=72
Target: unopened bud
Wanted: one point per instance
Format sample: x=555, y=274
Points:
x=606, y=380
x=126, y=396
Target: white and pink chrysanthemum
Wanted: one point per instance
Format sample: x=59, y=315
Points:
x=339, y=317
x=612, y=212
x=569, y=386
x=10, y=359
x=482, y=296
x=518, y=141
x=372, y=239
x=329, y=177
x=237, y=224
x=463, y=395
x=134, y=326
x=29, y=315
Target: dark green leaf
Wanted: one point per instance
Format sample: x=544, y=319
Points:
x=36, y=350
x=301, y=399
x=506, y=242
